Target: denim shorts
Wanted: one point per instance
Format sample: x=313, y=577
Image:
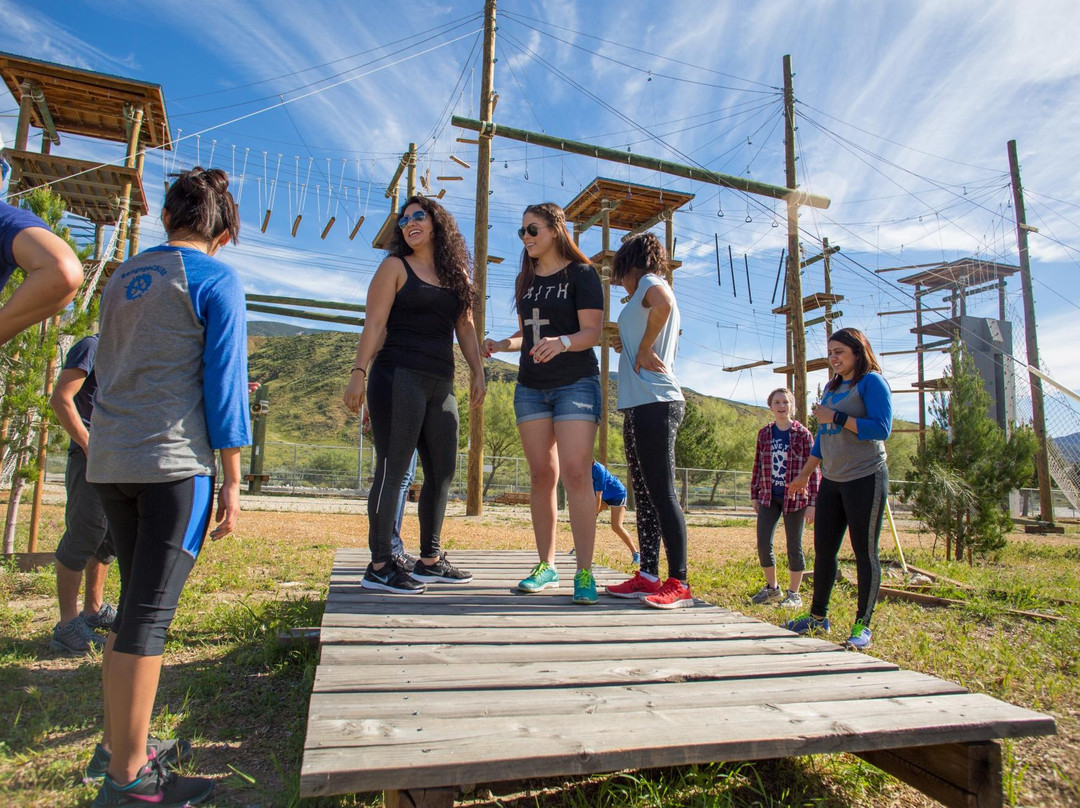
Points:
x=578, y=401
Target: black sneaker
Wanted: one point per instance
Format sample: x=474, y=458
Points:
x=391, y=578
x=169, y=753
x=407, y=561
x=154, y=786
x=103, y=618
x=441, y=572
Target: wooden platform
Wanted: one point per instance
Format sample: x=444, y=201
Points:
x=477, y=684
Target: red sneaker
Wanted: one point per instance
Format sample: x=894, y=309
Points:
x=674, y=594
x=637, y=587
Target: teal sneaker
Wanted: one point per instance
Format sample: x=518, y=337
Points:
x=859, y=639
x=584, y=588
x=808, y=625
x=169, y=753
x=543, y=576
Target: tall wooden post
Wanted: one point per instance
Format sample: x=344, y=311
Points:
x=920, y=364
x=825, y=256
x=794, y=277
x=605, y=342
x=125, y=194
x=1038, y=414
x=260, y=410
x=135, y=218
x=22, y=127
x=473, y=496
x=410, y=176
x=52, y=325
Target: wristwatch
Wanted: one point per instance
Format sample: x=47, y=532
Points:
x=565, y=340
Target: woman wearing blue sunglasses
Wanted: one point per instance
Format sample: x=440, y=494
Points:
x=421, y=295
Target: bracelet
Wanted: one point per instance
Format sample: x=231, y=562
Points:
x=362, y=370
x=839, y=418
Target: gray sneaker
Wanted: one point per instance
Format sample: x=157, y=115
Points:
x=768, y=595
x=103, y=618
x=75, y=638
x=792, y=600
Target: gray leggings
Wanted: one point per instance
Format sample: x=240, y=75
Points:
x=768, y=516
x=410, y=411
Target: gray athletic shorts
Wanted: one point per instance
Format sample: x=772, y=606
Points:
x=87, y=534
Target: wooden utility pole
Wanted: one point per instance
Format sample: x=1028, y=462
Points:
x=410, y=175
x=1038, y=414
x=794, y=277
x=605, y=342
x=260, y=410
x=52, y=325
x=473, y=497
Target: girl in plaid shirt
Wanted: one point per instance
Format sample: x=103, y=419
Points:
x=783, y=447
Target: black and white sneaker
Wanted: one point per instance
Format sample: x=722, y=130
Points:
x=391, y=578
x=407, y=561
x=441, y=572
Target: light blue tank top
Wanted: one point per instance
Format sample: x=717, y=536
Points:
x=647, y=386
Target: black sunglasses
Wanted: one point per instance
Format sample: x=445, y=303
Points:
x=533, y=229
x=417, y=216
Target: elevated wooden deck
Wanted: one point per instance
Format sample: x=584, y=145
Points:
x=476, y=684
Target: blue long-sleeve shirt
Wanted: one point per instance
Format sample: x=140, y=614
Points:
x=847, y=455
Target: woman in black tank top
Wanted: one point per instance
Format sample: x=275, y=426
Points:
x=421, y=295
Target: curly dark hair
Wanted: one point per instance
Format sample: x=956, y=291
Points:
x=641, y=252
x=200, y=204
x=568, y=250
x=453, y=265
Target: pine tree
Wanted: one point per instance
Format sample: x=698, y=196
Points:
x=963, y=475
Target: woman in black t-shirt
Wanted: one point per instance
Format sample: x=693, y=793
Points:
x=421, y=294
x=560, y=304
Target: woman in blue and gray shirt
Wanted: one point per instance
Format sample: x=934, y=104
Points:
x=854, y=420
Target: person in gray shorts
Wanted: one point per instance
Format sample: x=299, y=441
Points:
x=85, y=550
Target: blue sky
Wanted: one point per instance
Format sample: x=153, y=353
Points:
x=904, y=112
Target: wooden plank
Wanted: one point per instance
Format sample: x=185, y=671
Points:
x=610, y=652
x=956, y=775
x=387, y=678
x=547, y=636
x=614, y=700
x=374, y=755
x=530, y=619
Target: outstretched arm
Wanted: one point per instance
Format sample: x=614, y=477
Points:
x=53, y=276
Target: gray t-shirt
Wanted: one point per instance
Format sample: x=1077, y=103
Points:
x=847, y=455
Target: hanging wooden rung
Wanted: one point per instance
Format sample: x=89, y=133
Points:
x=266, y=220
x=449, y=179
x=329, y=224
x=459, y=161
x=356, y=228
x=748, y=365
x=473, y=140
x=296, y=223
x=441, y=194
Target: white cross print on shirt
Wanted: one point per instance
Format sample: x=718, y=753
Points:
x=536, y=322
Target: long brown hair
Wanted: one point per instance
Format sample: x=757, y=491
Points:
x=865, y=359
x=200, y=204
x=555, y=218
x=452, y=262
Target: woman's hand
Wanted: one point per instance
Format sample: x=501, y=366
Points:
x=490, y=346
x=547, y=349
x=808, y=515
x=796, y=486
x=757, y=505
x=823, y=415
x=477, y=391
x=616, y=343
x=356, y=392
x=228, y=510
x=647, y=359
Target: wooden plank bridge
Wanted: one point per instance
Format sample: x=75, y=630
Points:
x=420, y=695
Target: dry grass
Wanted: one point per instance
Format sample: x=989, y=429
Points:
x=229, y=686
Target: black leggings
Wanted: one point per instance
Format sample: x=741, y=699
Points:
x=857, y=506
x=649, y=436
x=158, y=531
x=410, y=411
x=767, y=518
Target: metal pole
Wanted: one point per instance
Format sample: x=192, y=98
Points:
x=1038, y=414
x=473, y=497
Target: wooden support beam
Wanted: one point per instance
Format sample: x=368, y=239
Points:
x=912, y=311
x=821, y=256
x=47, y=125
x=958, y=775
x=663, y=216
x=392, y=186
x=306, y=315
x=696, y=173
x=304, y=301
x=420, y=798
x=748, y=365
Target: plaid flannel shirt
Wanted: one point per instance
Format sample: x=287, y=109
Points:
x=798, y=453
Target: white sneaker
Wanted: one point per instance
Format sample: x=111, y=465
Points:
x=767, y=595
x=792, y=600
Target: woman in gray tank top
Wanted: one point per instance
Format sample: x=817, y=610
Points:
x=854, y=420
